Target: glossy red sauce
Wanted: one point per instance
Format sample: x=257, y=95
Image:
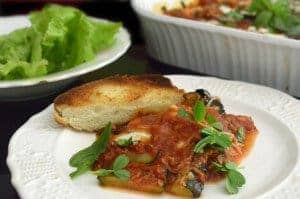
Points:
x=167, y=131
x=172, y=143
x=210, y=10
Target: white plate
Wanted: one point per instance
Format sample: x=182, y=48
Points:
x=47, y=85
x=39, y=151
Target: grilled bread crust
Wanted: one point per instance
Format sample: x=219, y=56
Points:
x=116, y=99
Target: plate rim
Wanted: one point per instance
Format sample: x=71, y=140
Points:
x=72, y=72
x=11, y=164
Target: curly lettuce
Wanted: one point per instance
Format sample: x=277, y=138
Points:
x=59, y=38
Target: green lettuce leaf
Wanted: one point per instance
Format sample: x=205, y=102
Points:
x=19, y=69
x=15, y=46
x=59, y=38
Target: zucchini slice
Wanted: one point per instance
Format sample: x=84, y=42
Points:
x=140, y=158
x=113, y=181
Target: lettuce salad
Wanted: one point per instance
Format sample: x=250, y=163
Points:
x=59, y=38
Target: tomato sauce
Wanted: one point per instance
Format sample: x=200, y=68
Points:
x=171, y=147
x=211, y=10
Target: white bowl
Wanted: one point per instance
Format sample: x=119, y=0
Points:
x=217, y=50
x=16, y=90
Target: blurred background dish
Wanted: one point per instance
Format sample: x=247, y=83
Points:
x=221, y=51
x=24, y=89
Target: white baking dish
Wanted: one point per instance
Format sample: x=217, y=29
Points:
x=226, y=52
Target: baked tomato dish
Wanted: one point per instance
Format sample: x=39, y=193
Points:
x=260, y=16
x=176, y=151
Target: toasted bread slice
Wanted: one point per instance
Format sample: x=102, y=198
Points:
x=116, y=99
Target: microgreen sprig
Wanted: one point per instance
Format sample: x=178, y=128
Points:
x=117, y=169
x=125, y=142
x=212, y=137
x=241, y=135
x=199, y=111
x=234, y=179
x=275, y=15
x=84, y=159
x=213, y=122
x=183, y=113
x=232, y=16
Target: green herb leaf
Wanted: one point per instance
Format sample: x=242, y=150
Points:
x=263, y=18
x=280, y=7
x=122, y=174
x=229, y=188
x=234, y=179
x=213, y=122
x=118, y=169
x=120, y=162
x=241, y=135
x=203, y=143
x=103, y=172
x=213, y=137
x=218, y=126
x=211, y=119
x=199, y=111
x=80, y=170
x=295, y=31
x=232, y=16
x=209, y=131
x=259, y=5
x=125, y=142
x=84, y=159
x=222, y=140
x=231, y=166
x=183, y=113
x=219, y=167
x=275, y=15
x=280, y=24
x=235, y=15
